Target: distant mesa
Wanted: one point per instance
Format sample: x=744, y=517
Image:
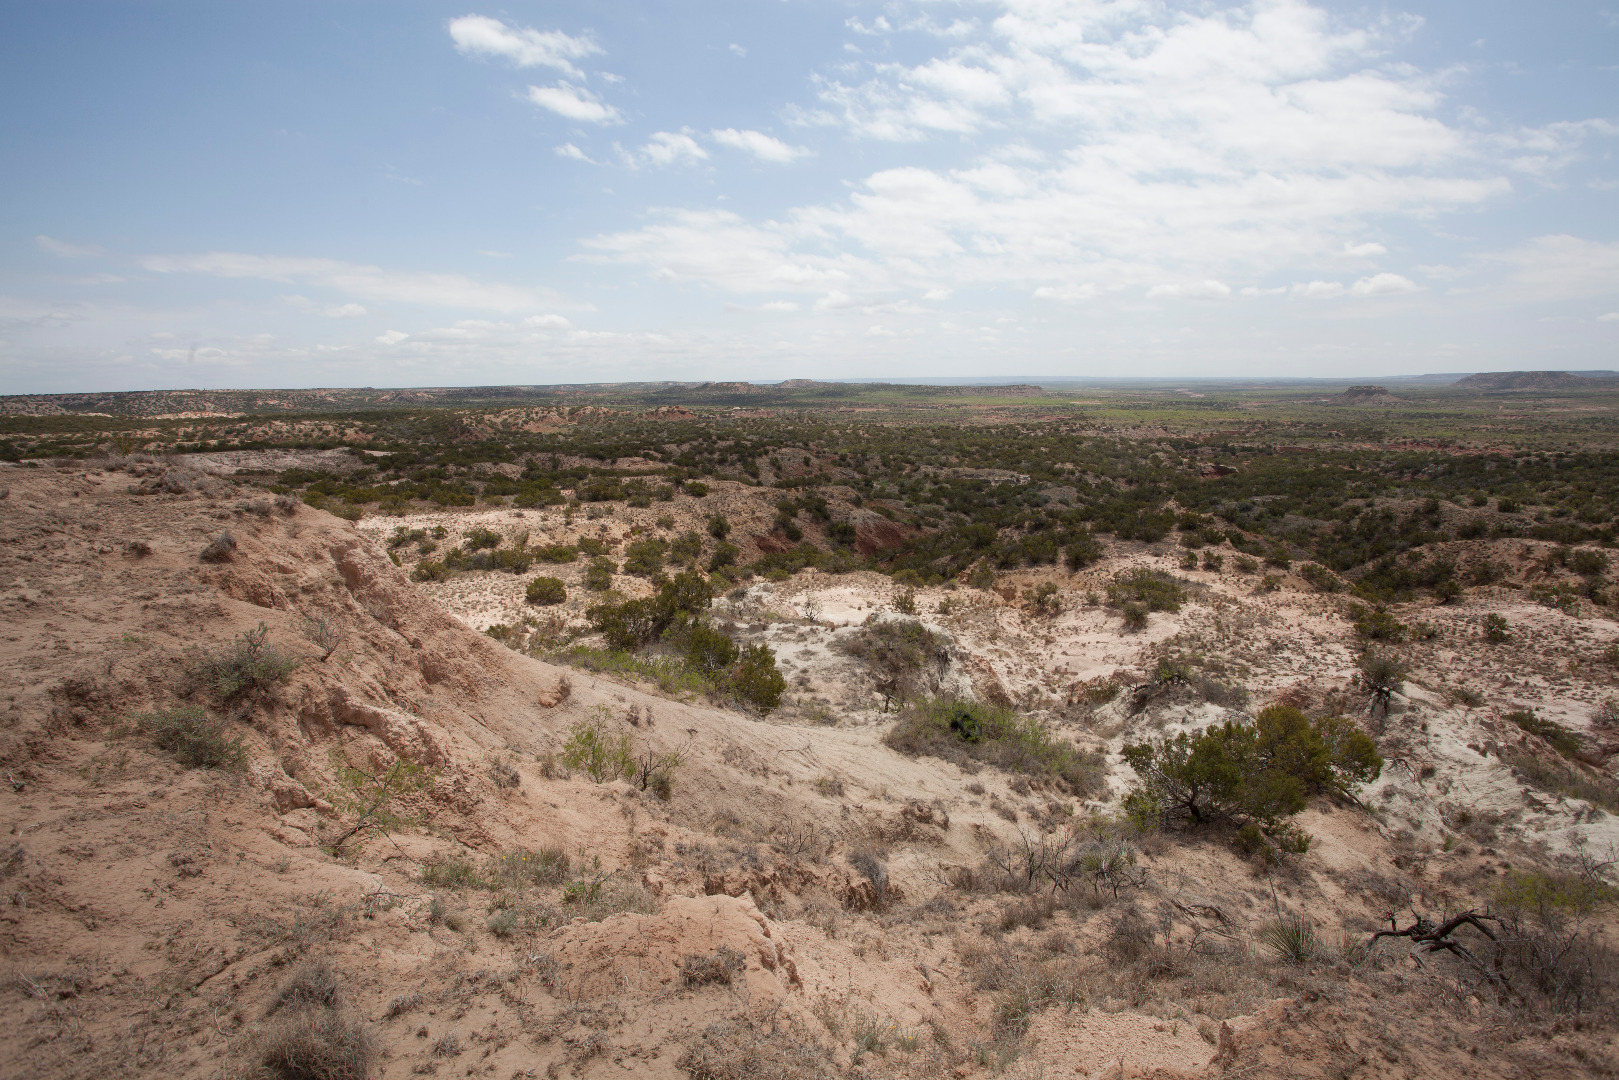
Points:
x=1526, y=380
x=1370, y=395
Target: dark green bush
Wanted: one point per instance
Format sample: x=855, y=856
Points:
x=545, y=591
x=756, y=680
x=709, y=650
x=644, y=558
x=480, y=539
x=599, y=577
x=634, y=623
x=902, y=656
x=557, y=553
x=718, y=526
x=1258, y=772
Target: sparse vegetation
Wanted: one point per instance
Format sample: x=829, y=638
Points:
x=251, y=667
x=964, y=731
x=194, y=738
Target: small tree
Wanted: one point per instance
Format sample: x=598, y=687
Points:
x=756, y=679
x=371, y=796
x=602, y=754
x=1383, y=676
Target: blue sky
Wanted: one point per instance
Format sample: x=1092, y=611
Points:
x=393, y=194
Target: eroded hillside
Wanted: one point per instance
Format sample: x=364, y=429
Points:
x=369, y=834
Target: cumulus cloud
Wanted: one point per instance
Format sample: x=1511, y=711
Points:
x=672, y=148
x=1119, y=143
x=760, y=145
x=738, y=50
x=574, y=103
x=345, y=311
x=1319, y=290
x=364, y=282
x=392, y=337
x=1612, y=316
x=479, y=35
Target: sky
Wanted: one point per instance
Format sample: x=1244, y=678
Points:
x=408, y=193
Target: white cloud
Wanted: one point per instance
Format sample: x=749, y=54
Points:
x=1131, y=144
x=1382, y=285
x=66, y=250
x=568, y=150
x=1190, y=290
x=1065, y=293
x=778, y=306
x=671, y=148
x=575, y=103
x=1612, y=316
x=365, y=282
x=1561, y=267
x=1319, y=290
x=491, y=253
x=1254, y=290
x=345, y=311
x=738, y=49
x=547, y=322
x=392, y=337
x=478, y=35
x=879, y=25
x=760, y=145
x=938, y=294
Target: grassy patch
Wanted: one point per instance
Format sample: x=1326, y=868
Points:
x=970, y=731
x=1555, y=779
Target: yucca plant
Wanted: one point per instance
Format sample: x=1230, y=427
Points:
x=1292, y=936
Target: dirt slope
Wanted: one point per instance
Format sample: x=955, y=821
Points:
x=162, y=920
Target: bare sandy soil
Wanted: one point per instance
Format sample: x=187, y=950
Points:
x=154, y=916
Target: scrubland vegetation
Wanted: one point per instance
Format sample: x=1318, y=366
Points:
x=1191, y=722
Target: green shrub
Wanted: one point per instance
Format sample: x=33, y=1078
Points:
x=1153, y=589
x=709, y=650
x=195, y=739
x=451, y=872
x=634, y=623
x=1562, y=740
x=718, y=527
x=546, y=590
x=964, y=731
x=251, y=667
x=1495, y=629
x=643, y=558
x=1589, y=562
x=428, y=570
x=695, y=488
x=592, y=546
x=480, y=539
x=900, y=655
x=1258, y=772
x=599, y=577
x=756, y=679
x=1321, y=578
x=602, y=754
x=557, y=553
x=725, y=554
x=1376, y=624
x=687, y=547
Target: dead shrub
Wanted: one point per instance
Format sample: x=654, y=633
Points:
x=718, y=967
x=742, y=1050
x=311, y=985
x=1131, y=935
x=317, y=1044
x=221, y=549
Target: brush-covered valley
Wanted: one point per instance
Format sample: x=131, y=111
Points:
x=811, y=730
